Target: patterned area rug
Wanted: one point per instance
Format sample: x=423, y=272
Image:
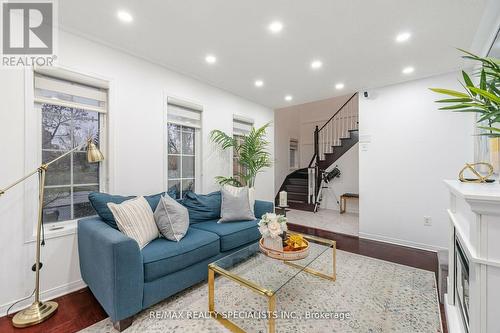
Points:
x=370, y=295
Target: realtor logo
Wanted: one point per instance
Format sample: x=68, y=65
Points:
x=27, y=28
x=28, y=33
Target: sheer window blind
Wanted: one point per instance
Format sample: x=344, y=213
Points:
x=54, y=91
x=184, y=113
x=242, y=125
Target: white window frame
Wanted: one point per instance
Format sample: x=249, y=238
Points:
x=33, y=142
x=243, y=120
x=198, y=155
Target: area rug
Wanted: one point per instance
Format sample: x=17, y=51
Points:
x=369, y=295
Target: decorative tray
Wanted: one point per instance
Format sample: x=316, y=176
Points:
x=284, y=255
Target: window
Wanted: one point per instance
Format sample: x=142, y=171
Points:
x=70, y=113
x=241, y=127
x=183, y=152
x=294, y=153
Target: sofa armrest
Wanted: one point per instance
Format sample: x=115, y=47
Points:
x=111, y=265
x=262, y=207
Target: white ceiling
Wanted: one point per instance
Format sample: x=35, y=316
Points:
x=353, y=38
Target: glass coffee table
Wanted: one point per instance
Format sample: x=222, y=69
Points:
x=269, y=286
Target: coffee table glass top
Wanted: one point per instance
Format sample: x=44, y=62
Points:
x=247, y=263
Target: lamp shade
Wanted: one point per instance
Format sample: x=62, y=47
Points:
x=94, y=155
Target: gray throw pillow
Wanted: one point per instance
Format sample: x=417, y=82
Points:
x=172, y=218
x=235, y=206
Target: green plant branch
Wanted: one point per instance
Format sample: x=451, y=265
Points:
x=483, y=99
x=252, y=152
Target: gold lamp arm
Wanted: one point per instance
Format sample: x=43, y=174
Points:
x=45, y=166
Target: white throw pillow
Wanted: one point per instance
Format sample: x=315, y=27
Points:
x=236, y=191
x=135, y=219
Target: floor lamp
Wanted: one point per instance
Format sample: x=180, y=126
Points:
x=40, y=311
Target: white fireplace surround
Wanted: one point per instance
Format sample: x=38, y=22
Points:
x=475, y=220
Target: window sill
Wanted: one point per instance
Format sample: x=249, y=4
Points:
x=56, y=230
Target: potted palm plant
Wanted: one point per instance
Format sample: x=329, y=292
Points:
x=483, y=99
x=252, y=151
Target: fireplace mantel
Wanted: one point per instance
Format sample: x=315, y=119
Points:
x=474, y=213
x=482, y=198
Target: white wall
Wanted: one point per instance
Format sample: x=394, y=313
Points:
x=348, y=182
x=407, y=147
x=136, y=153
x=286, y=127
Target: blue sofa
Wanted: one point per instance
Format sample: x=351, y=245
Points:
x=126, y=280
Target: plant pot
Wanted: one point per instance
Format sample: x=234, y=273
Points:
x=495, y=154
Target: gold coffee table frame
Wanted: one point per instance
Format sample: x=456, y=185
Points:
x=270, y=294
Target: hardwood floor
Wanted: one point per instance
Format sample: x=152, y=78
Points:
x=80, y=309
x=76, y=311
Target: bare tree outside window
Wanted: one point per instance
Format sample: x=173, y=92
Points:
x=181, y=159
x=71, y=179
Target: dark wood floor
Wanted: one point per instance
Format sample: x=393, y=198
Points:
x=80, y=309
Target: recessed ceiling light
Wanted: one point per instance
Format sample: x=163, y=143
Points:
x=403, y=37
x=408, y=70
x=259, y=83
x=210, y=59
x=316, y=64
x=275, y=27
x=288, y=98
x=125, y=16
x=339, y=86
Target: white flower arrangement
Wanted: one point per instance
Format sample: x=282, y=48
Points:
x=272, y=225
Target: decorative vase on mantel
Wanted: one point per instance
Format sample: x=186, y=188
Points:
x=495, y=155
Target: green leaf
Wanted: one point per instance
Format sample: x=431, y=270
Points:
x=450, y=92
x=454, y=100
x=458, y=106
x=482, y=82
x=491, y=129
x=471, y=110
x=468, y=81
x=485, y=117
x=221, y=180
x=486, y=94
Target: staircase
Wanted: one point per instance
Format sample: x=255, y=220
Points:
x=331, y=141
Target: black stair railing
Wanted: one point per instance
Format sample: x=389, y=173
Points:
x=329, y=135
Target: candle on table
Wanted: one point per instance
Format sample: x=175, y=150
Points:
x=283, y=199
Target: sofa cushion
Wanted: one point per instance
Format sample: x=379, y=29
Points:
x=162, y=256
x=202, y=207
x=135, y=219
x=235, y=205
x=100, y=201
x=172, y=218
x=232, y=234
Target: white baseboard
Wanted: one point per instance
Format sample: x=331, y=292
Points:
x=45, y=295
x=453, y=319
x=401, y=242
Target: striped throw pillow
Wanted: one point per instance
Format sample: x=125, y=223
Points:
x=135, y=219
